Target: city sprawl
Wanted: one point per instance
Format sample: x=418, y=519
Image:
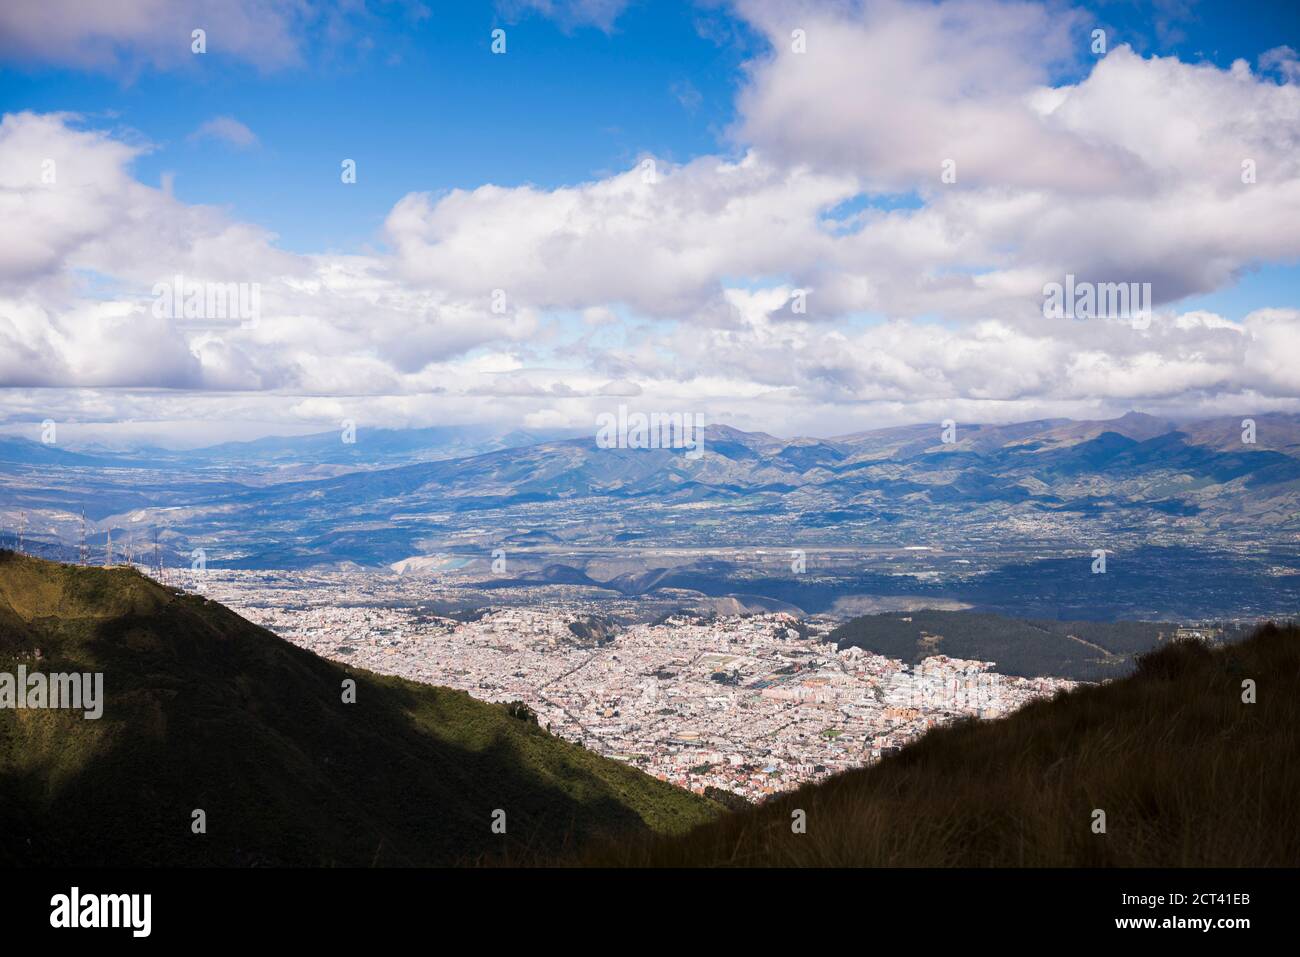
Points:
x=753, y=704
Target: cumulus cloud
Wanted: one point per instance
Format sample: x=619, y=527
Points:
x=657, y=238
x=779, y=287
x=1139, y=172
x=1147, y=170
x=80, y=281
x=892, y=90
x=131, y=33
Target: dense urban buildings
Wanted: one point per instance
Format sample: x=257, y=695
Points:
x=754, y=704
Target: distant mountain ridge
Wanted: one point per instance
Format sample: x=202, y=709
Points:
x=1281, y=432
x=377, y=447
x=1189, y=481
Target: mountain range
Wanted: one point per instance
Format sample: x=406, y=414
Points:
x=1006, y=494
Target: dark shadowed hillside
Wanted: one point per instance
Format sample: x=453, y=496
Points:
x=1187, y=773
x=206, y=711
x=1082, y=650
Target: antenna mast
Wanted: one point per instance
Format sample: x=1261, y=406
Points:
x=157, y=559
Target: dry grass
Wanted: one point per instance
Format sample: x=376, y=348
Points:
x=1187, y=774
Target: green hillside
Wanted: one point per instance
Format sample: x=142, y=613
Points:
x=1187, y=773
x=1081, y=650
x=205, y=710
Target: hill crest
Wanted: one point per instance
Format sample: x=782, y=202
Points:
x=206, y=711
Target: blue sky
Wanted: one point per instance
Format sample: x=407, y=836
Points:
x=419, y=101
x=420, y=104
x=777, y=173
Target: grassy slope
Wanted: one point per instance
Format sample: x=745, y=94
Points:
x=205, y=710
x=1187, y=774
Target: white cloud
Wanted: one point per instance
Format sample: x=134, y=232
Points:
x=225, y=129
x=77, y=281
x=671, y=284
x=1135, y=173
x=1283, y=60
x=127, y=34
x=891, y=90
x=659, y=239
